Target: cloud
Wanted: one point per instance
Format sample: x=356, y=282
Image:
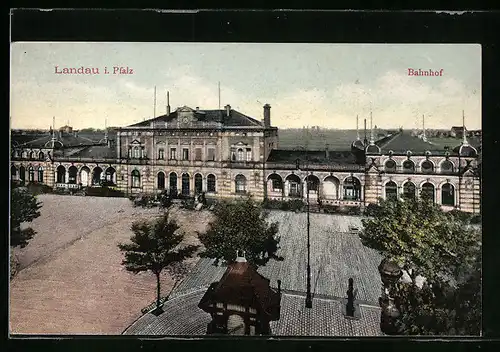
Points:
x=394, y=98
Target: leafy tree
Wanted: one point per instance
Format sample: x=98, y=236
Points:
x=241, y=225
x=24, y=207
x=155, y=246
x=439, y=246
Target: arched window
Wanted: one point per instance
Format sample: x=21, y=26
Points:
x=211, y=183
x=61, y=174
x=40, y=174
x=31, y=155
x=312, y=183
x=198, y=183
x=408, y=166
x=331, y=186
x=276, y=183
x=22, y=173
x=185, y=184
x=72, y=172
x=241, y=184
x=161, y=180
x=427, y=191
x=390, y=166
x=448, y=194
x=446, y=167
x=96, y=175
x=85, y=176
x=352, y=188
x=294, y=185
x=110, y=175
x=161, y=153
x=136, y=179
x=391, y=191
x=427, y=167
x=409, y=190
x=241, y=156
x=41, y=156
x=13, y=172
x=31, y=174
x=249, y=154
x=172, y=179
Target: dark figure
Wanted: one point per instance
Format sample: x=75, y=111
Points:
x=351, y=296
x=202, y=199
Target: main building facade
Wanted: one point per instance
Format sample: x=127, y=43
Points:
x=227, y=154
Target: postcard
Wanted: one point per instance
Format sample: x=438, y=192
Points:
x=265, y=189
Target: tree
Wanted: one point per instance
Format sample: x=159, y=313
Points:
x=155, y=246
x=24, y=207
x=438, y=246
x=241, y=225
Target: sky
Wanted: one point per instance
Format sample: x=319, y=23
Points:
x=325, y=85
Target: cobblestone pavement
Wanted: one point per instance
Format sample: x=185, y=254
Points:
x=71, y=279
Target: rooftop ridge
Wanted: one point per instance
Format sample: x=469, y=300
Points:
x=390, y=140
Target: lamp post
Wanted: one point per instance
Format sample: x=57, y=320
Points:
x=390, y=273
x=308, y=292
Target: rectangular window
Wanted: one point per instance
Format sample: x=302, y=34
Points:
x=161, y=153
x=249, y=154
x=211, y=154
x=173, y=154
x=240, y=155
x=137, y=154
x=197, y=154
x=185, y=154
x=130, y=153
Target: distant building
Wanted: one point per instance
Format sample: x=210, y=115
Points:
x=457, y=131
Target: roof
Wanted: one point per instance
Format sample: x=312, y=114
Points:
x=402, y=141
x=204, y=117
x=67, y=140
x=335, y=157
x=465, y=150
x=358, y=143
x=459, y=128
x=242, y=285
x=97, y=152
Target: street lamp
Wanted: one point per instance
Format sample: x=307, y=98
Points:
x=308, y=292
x=390, y=273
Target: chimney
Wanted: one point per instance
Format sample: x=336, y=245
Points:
x=228, y=109
x=327, y=151
x=168, y=103
x=267, y=115
x=365, y=141
x=197, y=108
